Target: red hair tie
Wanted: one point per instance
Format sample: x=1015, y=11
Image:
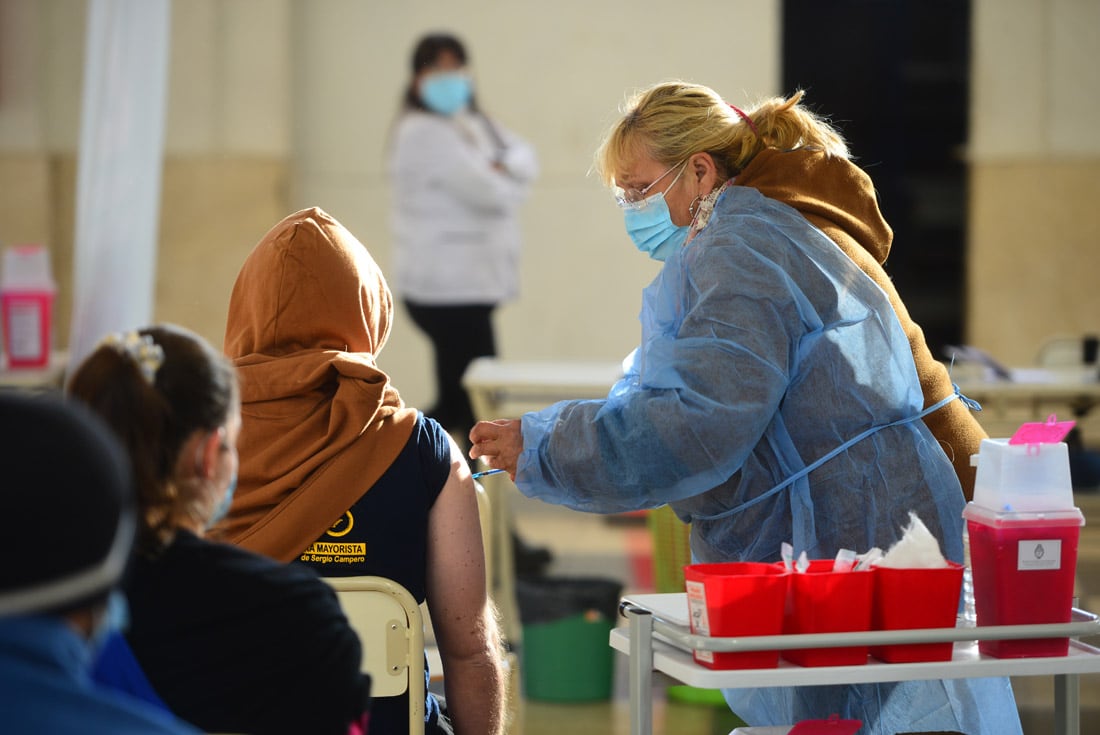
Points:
x=746, y=118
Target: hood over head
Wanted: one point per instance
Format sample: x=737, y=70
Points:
x=320, y=422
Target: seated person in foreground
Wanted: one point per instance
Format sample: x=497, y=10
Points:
x=338, y=474
x=65, y=532
x=231, y=641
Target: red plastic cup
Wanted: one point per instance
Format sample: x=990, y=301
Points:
x=820, y=600
x=736, y=599
x=907, y=599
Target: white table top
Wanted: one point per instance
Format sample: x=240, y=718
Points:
x=48, y=376
x=560, y=376
x=592, y=379
x=1038, y=390
x=1034, y=383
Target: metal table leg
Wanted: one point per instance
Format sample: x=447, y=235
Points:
x=1067, y=704
x=641, y=671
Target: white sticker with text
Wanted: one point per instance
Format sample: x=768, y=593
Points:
x=697, y=608
x=1038, y=554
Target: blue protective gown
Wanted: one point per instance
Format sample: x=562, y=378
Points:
x=764, y=348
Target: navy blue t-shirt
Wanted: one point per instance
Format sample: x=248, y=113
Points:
x=385, y=533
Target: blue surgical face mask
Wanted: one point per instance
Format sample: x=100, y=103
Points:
x=223, y=507
x=446, y=92
x=649, y=224
x=115, y=619
x=652, y=229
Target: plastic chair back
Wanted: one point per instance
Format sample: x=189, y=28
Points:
x=390, y=627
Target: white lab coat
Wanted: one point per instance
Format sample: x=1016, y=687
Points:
x=455, y=214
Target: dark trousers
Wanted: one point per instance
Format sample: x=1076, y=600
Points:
x=458, y=334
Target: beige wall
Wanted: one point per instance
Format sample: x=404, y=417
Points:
x=555, y=73
x=1034, y=238
x=215, y=210
x=1034, y=253
x=279, y=104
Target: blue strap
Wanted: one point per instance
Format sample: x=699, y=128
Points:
x=968, y=402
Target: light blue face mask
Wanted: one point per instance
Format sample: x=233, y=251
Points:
x=223, y=507
x=652, y=229
x=115, y=620
x=649, y=224
x=446, y=92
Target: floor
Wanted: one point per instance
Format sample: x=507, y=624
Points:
x=587, y=546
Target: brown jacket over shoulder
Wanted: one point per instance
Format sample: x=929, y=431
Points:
x=838, y=198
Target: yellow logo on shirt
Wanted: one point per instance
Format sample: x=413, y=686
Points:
x=337, y=549
x=342, y=527
x=331, y=553
x=324, y=552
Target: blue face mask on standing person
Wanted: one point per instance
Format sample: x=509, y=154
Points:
x=446, y=93
x=649, y=221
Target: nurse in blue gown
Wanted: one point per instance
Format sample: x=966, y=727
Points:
x=773, y=396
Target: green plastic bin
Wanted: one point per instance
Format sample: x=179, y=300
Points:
x=566, y=622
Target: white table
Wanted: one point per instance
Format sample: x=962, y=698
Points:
x=1036, y=387
x=46, y=378
x=506, y=389
x=1031, y=395
x=658, y=638
x=495, y=385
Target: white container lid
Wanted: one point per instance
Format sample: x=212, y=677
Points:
x=1008, y=519
x=26, y=268
x=1022, y=477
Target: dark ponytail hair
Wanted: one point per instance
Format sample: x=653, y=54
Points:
x=193, y=388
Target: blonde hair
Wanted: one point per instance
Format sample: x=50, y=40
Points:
x=672, y=121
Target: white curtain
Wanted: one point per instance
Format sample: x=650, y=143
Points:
x=119, y=168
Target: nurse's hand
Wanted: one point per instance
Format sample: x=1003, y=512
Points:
x=498, y=443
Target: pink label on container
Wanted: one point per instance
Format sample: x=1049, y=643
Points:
x=1050, y=431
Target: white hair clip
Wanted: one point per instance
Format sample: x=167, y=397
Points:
x=140, y=348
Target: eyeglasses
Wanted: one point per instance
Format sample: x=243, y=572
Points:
x=636, y=198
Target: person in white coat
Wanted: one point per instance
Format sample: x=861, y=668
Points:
x=458, y=180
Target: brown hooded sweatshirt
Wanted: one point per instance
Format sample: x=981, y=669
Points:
x=838, y=198
x=320, y=423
